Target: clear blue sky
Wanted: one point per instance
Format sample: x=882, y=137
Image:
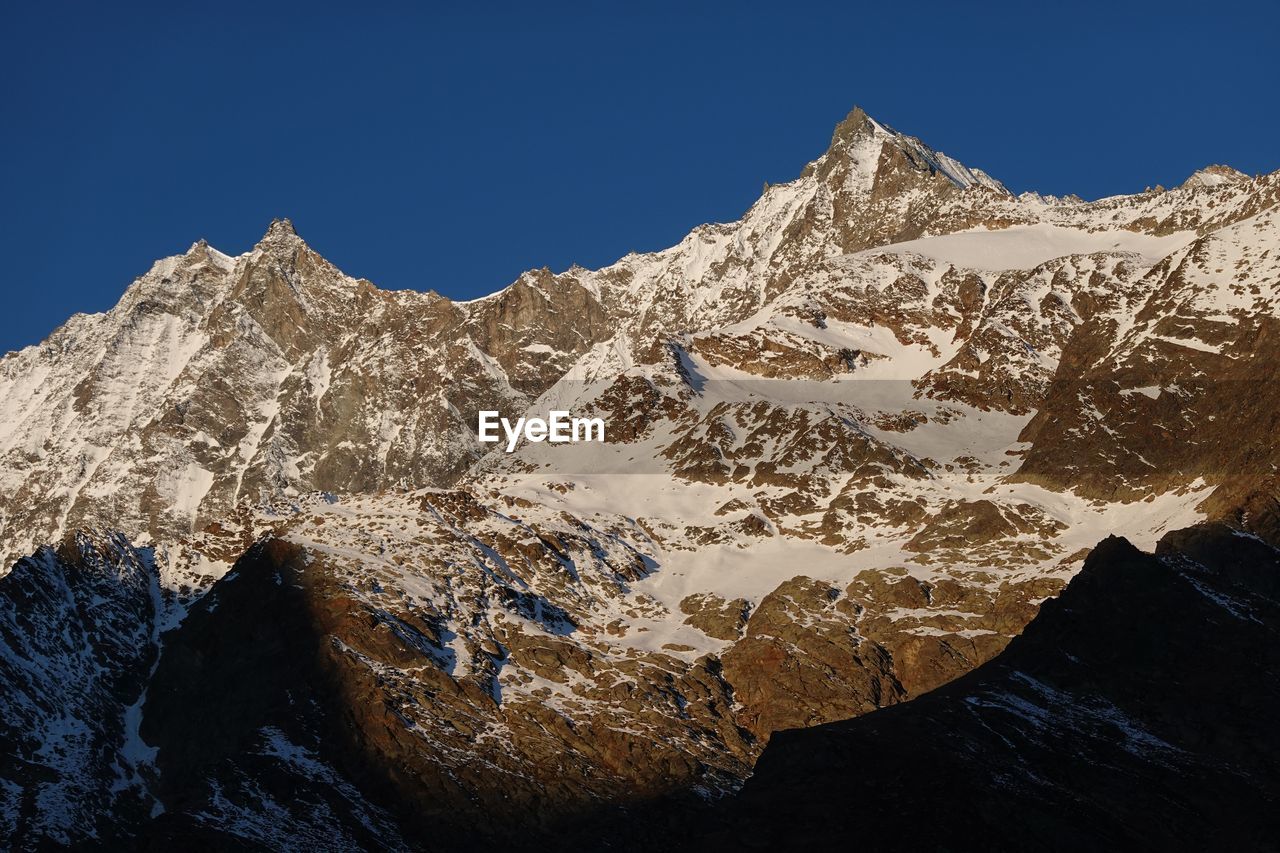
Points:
x=452, y=150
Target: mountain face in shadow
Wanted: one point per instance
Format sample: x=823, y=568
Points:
x=1136, y=712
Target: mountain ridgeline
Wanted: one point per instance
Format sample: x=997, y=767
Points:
x=831, y=580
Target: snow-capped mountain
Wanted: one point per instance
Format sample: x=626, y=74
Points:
x=854, y=440
x=221, y=381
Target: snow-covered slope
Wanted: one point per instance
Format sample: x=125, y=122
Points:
x=854, y=439
x=218, y=381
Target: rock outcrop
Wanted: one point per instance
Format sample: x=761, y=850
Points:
x=1104, y=726
x=855, y=441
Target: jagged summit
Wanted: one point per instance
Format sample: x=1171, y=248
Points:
x=858, y=129
x=1215, y=176
x=856, y=125
x=282, y=242
x=280, y=228
x=280, y=235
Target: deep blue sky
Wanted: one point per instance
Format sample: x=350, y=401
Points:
x=452, y=150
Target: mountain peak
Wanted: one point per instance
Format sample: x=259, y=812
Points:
x=858, y=127
x=280, y=237
x=280, y=228
x=1215, y=176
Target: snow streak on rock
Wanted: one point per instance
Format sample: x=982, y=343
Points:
x=854, y=440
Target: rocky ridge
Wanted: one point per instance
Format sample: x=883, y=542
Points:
x=1101, y=726
x=848, y=460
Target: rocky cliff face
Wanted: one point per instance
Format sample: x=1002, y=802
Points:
x=218, y=382
x=1104, y=725
x=1177, y=386
x=855, y=440
x=78, y=642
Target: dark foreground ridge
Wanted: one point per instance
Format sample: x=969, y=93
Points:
x=1136, y=712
